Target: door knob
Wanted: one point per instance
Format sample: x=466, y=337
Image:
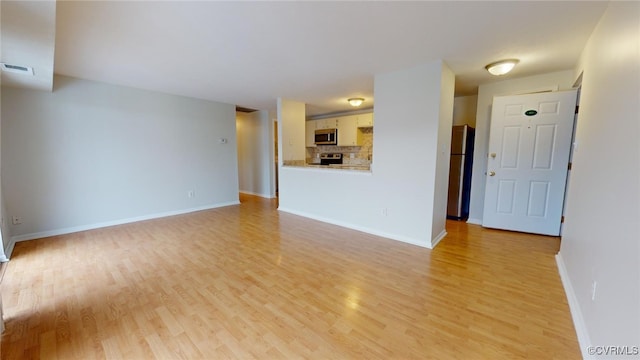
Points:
x=493, y=155
x=492, y=173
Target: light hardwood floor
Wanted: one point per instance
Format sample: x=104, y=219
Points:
x=248, y=282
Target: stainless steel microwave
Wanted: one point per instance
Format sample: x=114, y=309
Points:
x=326, y=137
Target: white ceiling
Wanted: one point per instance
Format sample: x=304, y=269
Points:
x=320, y=53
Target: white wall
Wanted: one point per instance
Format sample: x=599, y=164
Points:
x=443, y=157
x=255, y=154
x=601, y=236
x=91, y=154
x=404, y=177
x=464, y=110
x=5, y=234
x=558, y=81
x=291, y=131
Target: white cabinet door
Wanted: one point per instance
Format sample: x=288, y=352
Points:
x=310, y=131
x=529, y=146
x=365, y=120
x=329, y=123
x=348, y=131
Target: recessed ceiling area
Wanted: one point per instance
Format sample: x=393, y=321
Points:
x=319, y=53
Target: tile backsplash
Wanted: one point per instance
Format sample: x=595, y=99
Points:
x=352, y=155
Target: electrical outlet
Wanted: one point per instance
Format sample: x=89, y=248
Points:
x=16, y=220
x=191, y=193
x=385, y=211
x=594, y=286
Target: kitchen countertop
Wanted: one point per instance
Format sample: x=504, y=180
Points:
x=347, y=167
x=350, y=166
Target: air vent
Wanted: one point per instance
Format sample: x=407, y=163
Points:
x=18, y=69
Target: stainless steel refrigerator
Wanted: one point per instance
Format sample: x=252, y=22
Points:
x=462, y=138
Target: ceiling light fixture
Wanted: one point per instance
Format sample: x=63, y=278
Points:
x=355, y=102
x=501, y=67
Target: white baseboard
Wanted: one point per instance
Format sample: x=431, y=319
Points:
x=437, y=239
x=74, y=229
x=574, y=307
x=474, y=221
x=401, y=238
x=9, y=250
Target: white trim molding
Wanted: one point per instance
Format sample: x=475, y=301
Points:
x=74, y=229
x=437, y=239
x=574, y=307
x=474, y=221
x=7, y=252
x=404, y=239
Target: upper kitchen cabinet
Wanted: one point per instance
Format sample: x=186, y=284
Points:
x=348, y=131
x=365, y=120
x=329, y=123
x=310, y=133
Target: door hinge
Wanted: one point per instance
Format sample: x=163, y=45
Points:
x=562, y=220
x=577, y=108
x=569, y=166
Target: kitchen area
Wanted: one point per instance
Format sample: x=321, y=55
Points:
x=390, y=193
x=343, y=142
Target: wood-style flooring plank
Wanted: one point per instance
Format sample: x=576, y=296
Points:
x=249, y=282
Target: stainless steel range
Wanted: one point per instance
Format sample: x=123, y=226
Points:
x=330, y=158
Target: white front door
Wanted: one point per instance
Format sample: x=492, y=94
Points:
x=529, y=144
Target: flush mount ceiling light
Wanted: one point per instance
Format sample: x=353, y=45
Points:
x=501, y=67
x=355, y=101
